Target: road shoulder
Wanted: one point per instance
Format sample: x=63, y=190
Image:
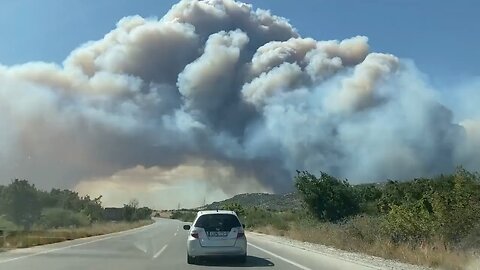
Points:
x=14, y=254
x=336, y=254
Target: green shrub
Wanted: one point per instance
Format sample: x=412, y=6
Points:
x=368, y=196
x=457, y=211
x=186, y=215
x=446, y=208
x=327, y=198
x=235, y=207
x=410, y=223
x=6, y=224
x=142, y=213
x=256, y=217
x=58, y=217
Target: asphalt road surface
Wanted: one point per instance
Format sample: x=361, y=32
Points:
x=161, y=245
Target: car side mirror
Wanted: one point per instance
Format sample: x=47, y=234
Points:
x=243, y=226
x=186, y=227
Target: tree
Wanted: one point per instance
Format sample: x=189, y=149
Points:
x=133, y=203
x=92, y=208
x=130, y=209
x=327, y=198
x=65, y=199
x=368, y=196
x=393, y=195
x=143, y=213
x=20, y=203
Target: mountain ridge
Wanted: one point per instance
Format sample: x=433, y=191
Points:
x=267, y=201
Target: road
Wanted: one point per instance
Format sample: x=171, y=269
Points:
x=161, y=245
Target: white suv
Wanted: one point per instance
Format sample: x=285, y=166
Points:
x=216, y=233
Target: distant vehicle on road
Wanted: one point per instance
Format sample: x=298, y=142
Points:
x=216, y=233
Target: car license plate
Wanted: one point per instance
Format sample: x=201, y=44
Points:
x=218, y=234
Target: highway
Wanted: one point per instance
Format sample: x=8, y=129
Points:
x=161, y=245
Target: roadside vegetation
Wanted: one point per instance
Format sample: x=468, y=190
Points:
x=426, y=221
x=23, y=239
x=29, y=216
x=186, y=215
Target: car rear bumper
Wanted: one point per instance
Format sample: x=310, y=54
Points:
x=195, y=249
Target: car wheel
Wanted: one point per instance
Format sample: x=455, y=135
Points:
x=242, y=259
x=190, y=259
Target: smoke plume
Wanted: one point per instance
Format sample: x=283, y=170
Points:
x=218, y=98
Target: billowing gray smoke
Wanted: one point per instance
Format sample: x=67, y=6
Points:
x=236, y=91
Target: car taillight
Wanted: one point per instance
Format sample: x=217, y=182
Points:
x=194, y=234
x=240, y=234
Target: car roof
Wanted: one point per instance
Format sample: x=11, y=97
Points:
x=214, y=212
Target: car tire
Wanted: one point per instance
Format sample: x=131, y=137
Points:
x=242, y=259
x=190, y=259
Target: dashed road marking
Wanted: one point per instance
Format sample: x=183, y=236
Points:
x=160, y=252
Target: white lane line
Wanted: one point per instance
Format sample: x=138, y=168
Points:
x=159, y=252
x=113, y=235
x=175, y=234
x=280, y=257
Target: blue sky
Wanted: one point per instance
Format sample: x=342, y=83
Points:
x=442, y=37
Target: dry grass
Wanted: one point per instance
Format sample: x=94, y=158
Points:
x=363, y=237
x=22, y=239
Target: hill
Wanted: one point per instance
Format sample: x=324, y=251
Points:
x=266, y=201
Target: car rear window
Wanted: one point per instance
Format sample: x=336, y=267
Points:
x=217, y=222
